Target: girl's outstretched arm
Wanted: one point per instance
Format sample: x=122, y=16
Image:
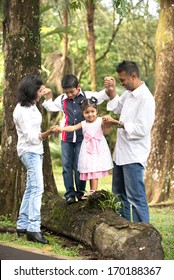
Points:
x=69, y=128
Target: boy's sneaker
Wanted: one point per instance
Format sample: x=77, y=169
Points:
x=70, y=199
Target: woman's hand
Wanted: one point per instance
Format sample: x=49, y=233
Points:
x=44, y=91
x=56, y=129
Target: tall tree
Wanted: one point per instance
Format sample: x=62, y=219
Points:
x=65, y=36
x=59, y=62
x=90, y=7
x=160, y=169
x=22, y=56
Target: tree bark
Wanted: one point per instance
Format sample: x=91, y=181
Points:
x=22, y=55
x=160, y=171
x=103, y=230
x=59, y=63
x=90, y=7
x=65, y=36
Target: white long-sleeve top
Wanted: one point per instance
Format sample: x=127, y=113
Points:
x=28, y=126
x=137, y=112
x=56, y=105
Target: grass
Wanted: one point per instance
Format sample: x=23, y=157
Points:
x=162, y=220
x=55, y=247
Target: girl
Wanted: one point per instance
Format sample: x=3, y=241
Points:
x=28, y=119
x=95, y=159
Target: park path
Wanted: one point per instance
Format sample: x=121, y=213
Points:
x=11, y=253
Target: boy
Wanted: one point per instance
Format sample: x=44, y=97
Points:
x=68, y=103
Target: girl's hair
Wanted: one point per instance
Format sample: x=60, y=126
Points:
x=26, y=92
x=89, y=102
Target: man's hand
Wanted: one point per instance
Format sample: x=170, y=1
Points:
x=110, y=87
x=107, y=119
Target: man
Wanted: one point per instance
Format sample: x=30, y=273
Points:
x=136, y=107
x=68, y=103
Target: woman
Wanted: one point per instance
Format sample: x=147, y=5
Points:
x=28, y=119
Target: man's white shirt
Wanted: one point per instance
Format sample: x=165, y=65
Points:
x=137, y=112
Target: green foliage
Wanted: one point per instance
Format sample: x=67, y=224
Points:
x=51, y=33
x=77, y=4
x=111, y=201
x=121, y=6
x=134, y=39
x=6, y=220
x=2, y=2
x=55, y=151
x=74, y=5
x=44, y=7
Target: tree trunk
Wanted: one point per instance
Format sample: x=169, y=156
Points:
x=65, y=36
x=103, y=230
x=22, y=56
x=160, y=171
x=90, y=7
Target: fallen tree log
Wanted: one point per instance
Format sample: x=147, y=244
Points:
x=105, y=231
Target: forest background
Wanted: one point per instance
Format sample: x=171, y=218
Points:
x=88, y=38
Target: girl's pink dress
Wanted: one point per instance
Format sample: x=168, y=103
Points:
x=95, y=159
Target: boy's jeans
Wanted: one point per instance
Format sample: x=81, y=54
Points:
x=128, y=181
x=29, y=214
x=70, y=155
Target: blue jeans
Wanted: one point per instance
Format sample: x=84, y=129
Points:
x=128, y=181
x=70, y=155
x=29, y=213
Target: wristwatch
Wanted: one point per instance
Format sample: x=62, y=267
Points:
x=120, y=125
